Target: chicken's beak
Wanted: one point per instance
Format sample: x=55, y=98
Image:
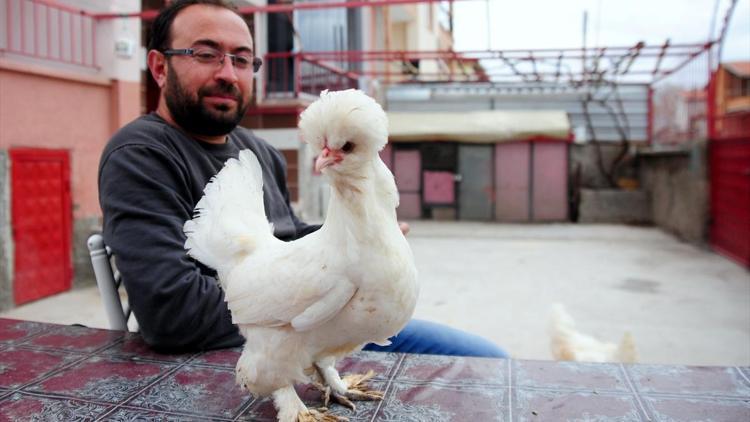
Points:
x=327, y=157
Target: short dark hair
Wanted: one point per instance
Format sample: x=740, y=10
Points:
x=161, y=29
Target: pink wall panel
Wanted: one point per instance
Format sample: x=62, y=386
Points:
x=406, y=169
x=410, y=206
x=439, y=188
x=386, y=154
x=550, y=182
x=512, y=181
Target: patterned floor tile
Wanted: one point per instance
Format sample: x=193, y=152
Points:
x=697, y=380
x=134, y=348
x=101, y=379
x=25, y=407
x=20, y=366
x=196, y=390
x=13, y=331
x=226, y=358
x=454, y=370
x=444, y=403
x=538, y=405
x=745, y=373
x=129, y=414
x=692, y=409
x=569, y=376
x=79, y=339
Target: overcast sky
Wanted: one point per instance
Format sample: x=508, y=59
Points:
x=558, y=23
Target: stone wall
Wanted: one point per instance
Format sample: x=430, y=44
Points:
x=585, y=169
x=614, y=206
x=677, y=183
x=670, y=188
x=6, y=242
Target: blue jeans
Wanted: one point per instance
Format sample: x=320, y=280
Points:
x=435, y=339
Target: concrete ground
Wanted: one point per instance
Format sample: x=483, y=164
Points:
x=683, y=304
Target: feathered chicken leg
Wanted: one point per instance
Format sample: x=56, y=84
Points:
x=343, y=391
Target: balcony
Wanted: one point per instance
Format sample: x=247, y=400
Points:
x=299, y=78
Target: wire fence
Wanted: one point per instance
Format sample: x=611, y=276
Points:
x=679, y=103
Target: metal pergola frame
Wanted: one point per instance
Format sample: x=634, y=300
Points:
x=574, y=65
x=585, y=65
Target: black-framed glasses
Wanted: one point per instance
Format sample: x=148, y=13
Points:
x=208, y=55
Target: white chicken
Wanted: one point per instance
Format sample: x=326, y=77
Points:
x=303, y=305
x=566, y=343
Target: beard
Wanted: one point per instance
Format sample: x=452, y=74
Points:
x=194, y=116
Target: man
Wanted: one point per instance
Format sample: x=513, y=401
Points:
x=153, y=171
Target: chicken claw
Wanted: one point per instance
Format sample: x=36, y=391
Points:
x=356, y=389
x=319, y=415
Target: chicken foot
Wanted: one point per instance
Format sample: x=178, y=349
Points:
x=291, y=409
x=319, y=415
x=343, y=391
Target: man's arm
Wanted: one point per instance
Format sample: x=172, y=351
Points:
x=145, y=200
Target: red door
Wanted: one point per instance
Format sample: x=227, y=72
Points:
x=730, y=197
x=41, y=223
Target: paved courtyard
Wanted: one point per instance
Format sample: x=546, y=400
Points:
x=683, y=304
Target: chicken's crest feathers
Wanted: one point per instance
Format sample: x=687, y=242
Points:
x=229, y=220
x=339, y=116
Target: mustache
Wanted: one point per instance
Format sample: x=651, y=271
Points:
x=220, y=89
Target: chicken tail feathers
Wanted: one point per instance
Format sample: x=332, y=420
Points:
x=229, y=221
x=560, y=320
x=561, y=325
x=626, y=350
x=566, y=343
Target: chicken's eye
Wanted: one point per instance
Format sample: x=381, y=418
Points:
x=348, y=147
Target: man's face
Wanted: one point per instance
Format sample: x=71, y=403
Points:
x=208, y=99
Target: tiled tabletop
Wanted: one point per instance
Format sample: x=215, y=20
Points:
x=67, y=373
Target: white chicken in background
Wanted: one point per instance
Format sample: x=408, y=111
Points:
x=303, y=305
x=568, y=344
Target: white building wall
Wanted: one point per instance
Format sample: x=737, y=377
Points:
x=427, y=36
x=73, y=43
x=119, y=52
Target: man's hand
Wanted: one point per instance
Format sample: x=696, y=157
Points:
x=404, y=227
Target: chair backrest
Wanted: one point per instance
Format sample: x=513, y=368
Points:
x=108, y=280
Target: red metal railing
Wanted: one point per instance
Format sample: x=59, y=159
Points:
x=282, y=7
x=48, y=32
x=296, y=74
